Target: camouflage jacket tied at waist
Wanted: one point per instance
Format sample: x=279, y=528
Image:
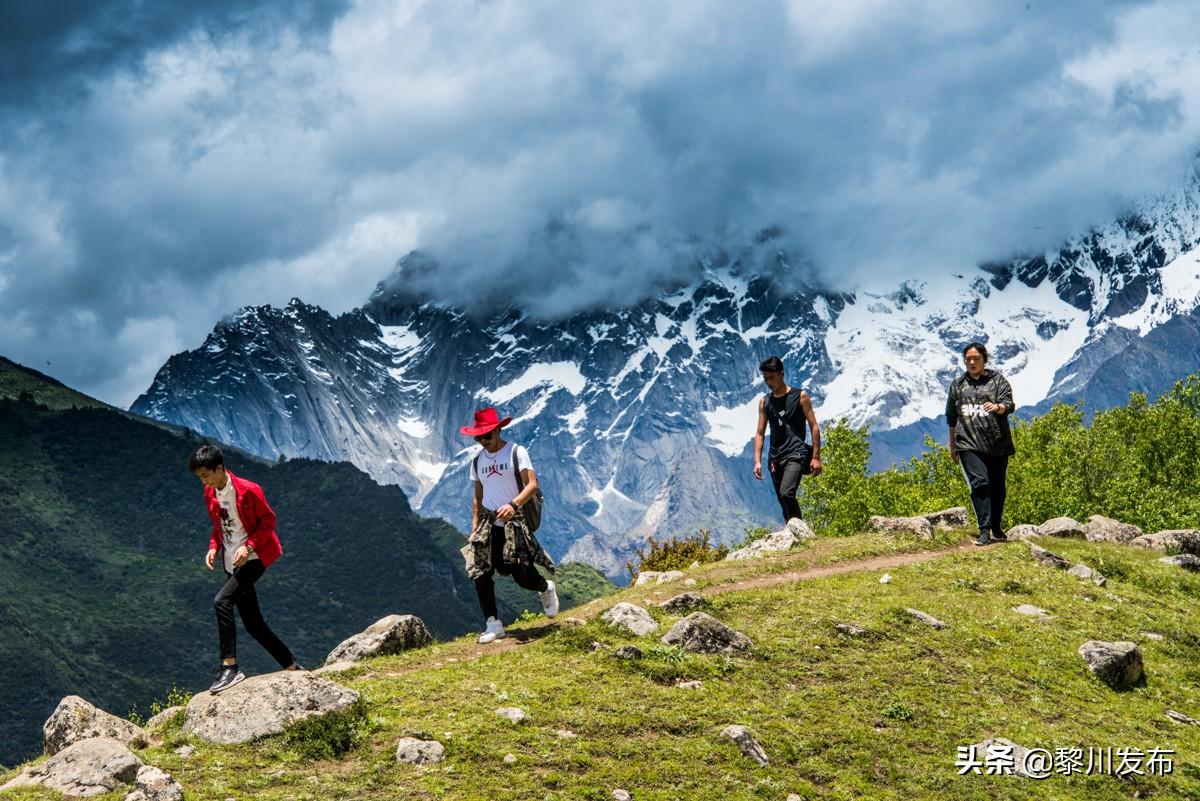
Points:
x=520, y=545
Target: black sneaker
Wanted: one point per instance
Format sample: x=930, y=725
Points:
x=983, y=538
x=227, y=676
x=999, y=536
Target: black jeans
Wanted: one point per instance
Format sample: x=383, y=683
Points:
x=525, y=575
x=986, y=474
x=786, y=475
x=239, y=591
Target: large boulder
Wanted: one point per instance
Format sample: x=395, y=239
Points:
x=88, y=767
x=705, y=634
x=152, y=784
x=1117, y=664
x=1099, y=528
x=74, y=719
x=1188, y=561
x=949, y=519
x=1179, y=540
x=1048, y=558
x=264, y=705
x=684, y=602
x=1022, y=531
x=389, y=635
x=909, y=525
x=630, y=617
x=1062, y=527
x=785, y=539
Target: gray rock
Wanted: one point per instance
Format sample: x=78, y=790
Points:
x=1150, y=635
x=628, y=652
x=910, y=525
x=164, y=717
x=689, y=685
x=88, y=767
x=949, y=519
x=621, y=795
x=630, y=617
x=152, y=784
x=657, y=577
x=849, y=630
x=334, y=667
x=1061, y=527
x=74, y=719
x=785, y=539
x=1085, y=573
x=927, y=619
x=1181, y=540
x=185, y=751
x=412, y=751
x=1006, y=748
x=1099, y=528
x=689, y=582
x=886, y=578
x=596, y=646
x=1048, y=558
x=1179, y=717
x=1188, y=561
x=1117, y=664
x=510, y=759
x=1022, y=532
x=512, y=714
x=685, y=602
x=705, y=634
x=565, y=734
x=264, y=705
x=746, y=741
x=389, y=635
x=1029, y=609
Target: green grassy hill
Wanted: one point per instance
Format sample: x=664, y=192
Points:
x=879, y=716
x=104, y=589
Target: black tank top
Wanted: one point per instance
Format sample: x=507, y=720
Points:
x=789, y=426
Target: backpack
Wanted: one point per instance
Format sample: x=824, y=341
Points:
x=533, y=507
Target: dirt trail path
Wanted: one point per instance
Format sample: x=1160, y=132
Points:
x=470, y=651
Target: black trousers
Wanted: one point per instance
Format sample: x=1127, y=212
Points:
x=238, y=592
x=986, y=474
x=525, y=575
x=786, y=476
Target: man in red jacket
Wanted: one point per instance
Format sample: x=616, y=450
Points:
x=243, y=535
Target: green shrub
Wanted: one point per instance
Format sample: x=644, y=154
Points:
x=329, y=736
x=676, y=553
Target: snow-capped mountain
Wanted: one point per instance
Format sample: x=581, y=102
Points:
x=640, y=420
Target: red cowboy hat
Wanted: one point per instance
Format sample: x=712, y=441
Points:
x=485, y=420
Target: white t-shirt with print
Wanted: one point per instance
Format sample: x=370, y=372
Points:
x=496, y=474
x=233, y=533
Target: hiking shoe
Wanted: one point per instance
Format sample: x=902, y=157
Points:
x=549, y=598
x=227, y=676
x=494, y=631
x=998, y=536
x=983, y=538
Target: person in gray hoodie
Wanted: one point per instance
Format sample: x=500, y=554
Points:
x=977, y=411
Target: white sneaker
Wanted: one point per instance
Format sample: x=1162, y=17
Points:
x=494, y=631
x=549, y=600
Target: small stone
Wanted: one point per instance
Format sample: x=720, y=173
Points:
x=849, y=630
x=785, y=539
x=1022, y=532
x=1031, y=610
x=657, y=577
x=628, y=652
x=684, y=602
x=949, y=519
x=152, y=784
x=911, y=525
x=390, y=635
x=694, y=566
x=1188, y=561
x=1099, y=528
x=1151, y=635
x=927, y=619
x=1179, y=717
x=794, y=797
x=1048, y=558
x=413, y=751
x=746, y=741
x=689, y=582
x=1062, y=527
x=621, y=795
x=185, y=751
x=596, y=646
x=1117, y=664
x=573, y=621
x=690, y=685
x=702, y=633
x=512, y=714
x=631, y=618
x=566, y=734
x=886, y=578
x=510, y=758
x=1085, y=573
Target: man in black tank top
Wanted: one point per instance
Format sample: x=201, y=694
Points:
x=787, y=410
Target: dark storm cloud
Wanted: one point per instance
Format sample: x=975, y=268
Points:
x=163, y=164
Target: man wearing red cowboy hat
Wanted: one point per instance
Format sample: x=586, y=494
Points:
x=501, y=541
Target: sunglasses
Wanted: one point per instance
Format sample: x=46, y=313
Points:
x=485, y=437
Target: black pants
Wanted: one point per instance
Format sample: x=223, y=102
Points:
x=239, y=591
x=525, y=575
x=786, y=475
x=986, y=474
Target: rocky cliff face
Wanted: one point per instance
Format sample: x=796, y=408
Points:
x=640, y=419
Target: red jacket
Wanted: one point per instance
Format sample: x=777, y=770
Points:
x=256, y=515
